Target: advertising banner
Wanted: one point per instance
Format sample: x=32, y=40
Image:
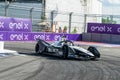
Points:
x=32, y=36
x=18, y=29
x=55, y=36
x=103, y=28
x=15, y=24
x=2, y=36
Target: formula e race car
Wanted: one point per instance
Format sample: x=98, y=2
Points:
x=66, y=48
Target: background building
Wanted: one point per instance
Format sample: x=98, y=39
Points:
x=49, y=14
x=70, y=12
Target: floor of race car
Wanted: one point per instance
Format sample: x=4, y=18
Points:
x=30, y=66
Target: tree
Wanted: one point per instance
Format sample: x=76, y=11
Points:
x=74, y=30
x=108, y=20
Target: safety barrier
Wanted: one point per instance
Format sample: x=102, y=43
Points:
x=18, y=29
x=103, y=28
x=32, y=36
x=8, y=25
x=99, y=32
x=1, y=45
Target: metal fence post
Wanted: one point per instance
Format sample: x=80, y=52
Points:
x=111, y=19
x=31, y=10
x=85, y=20
x=52, y=18
x=70, y=20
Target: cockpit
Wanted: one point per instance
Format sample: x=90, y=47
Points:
x=63, y=41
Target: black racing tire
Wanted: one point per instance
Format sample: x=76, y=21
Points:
x=39, y=49
x=65, y=51
x=94, y=51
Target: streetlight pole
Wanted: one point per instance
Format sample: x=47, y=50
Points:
x=31, y=10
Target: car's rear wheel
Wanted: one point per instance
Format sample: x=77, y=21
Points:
x=39, y=48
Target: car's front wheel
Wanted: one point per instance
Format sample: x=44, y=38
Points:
x=94, y=51
x=65, y=51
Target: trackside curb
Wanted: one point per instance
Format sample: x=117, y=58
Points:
x=2, y=51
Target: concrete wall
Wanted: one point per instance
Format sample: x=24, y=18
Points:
x=106, y=38
x=86, y=37
x=115, y=38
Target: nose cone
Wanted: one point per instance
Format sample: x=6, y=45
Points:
x=89, y=53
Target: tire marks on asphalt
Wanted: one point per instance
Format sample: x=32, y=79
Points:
x=107, y=68
x=77, y=70
x=58, y=69
x=4, y=70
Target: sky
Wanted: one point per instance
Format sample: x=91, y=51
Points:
x=111, y=7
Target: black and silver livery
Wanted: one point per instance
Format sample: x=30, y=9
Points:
x=66, y=48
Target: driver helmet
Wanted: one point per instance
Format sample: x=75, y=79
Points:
x=63, y=38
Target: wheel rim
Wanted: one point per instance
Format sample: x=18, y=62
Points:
x=65, y=51
x=40, y=48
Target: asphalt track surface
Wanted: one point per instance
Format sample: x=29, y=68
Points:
x=30, y=66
